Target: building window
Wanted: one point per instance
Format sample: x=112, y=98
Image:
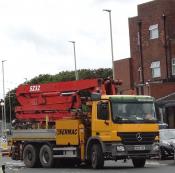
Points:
x=155, y=69
x=154, y=31
x=173, y=66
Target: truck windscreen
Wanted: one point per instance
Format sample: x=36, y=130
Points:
x=132, y=112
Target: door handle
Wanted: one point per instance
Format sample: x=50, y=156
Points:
x=107, y=123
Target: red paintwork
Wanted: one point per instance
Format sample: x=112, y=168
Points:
x=56, y=100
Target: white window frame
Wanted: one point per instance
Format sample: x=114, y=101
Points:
x=154, y=31
x=155, y=69
x=173, y=66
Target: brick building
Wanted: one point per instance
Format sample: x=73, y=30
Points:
x=151, y=68
x=126, y=76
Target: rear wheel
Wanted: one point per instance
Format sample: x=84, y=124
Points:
x=46, y=156
x=138, y=162
x=30, y=156
x=96, y=156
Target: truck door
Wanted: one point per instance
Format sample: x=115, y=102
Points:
x=101, y=121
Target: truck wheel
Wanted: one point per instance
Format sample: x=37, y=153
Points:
x=30, y=156
x=161, y=156
x=96, y=156
x=46, y=156
x=138, y=162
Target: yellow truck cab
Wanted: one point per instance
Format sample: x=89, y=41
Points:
x=123, y=126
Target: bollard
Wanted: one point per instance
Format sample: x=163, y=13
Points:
x=3, y=168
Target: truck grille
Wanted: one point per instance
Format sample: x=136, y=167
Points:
x=137, y=138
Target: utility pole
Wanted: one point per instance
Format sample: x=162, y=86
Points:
x=2, y=112
x=75, y=61
x=112, y=53
x=3, y=82
x=10, y=109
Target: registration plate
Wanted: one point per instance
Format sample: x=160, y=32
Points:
x=139, y=147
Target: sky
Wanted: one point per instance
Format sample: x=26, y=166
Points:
x=35, y=35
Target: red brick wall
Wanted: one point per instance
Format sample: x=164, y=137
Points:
x=153, y=50
x=134, y=48
x=123, y=72
x=161, y=89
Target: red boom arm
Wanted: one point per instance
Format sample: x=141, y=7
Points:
x=55, y=100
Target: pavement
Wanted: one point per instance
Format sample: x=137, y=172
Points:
x=152, y=166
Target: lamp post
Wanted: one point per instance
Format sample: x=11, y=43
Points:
x=2, y=112
x=75, y=61
x=10, y=109
x=112, y=53
x=3, y=82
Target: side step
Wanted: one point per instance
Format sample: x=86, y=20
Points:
x=65, y=152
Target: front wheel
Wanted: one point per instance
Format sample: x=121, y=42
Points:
x=138, y=162
x=46, y=156
x=97, y=158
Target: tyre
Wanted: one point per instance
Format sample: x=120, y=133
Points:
x=46, y=156
x=30, y=156
x=87, y=164
x=138, y=162
x=162, y=156
x=162, y=153
x=96, y=157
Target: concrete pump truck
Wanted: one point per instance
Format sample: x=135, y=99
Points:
x=82, y=122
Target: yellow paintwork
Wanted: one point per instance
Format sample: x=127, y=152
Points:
x=100, y=126
x=123, y=96
x=63, y=129
x=107, y=130
x=82, y=141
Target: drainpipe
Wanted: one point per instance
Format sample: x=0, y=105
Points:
x=170, y=43
x=139, y=22
x=165, y=44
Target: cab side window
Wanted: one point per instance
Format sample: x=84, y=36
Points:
x=103, y=111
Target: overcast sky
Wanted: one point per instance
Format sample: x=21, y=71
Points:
x=34, y=35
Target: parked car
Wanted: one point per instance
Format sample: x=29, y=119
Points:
x=167, y=144
x=163, y=125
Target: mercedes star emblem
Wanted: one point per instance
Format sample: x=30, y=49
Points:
x=139, y=136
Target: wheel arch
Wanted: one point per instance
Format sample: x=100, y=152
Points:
x=40, y=143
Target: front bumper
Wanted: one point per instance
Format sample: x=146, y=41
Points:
x=118, y=150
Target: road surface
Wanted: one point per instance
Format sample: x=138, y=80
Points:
x=152, y=166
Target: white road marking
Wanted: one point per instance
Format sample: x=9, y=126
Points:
x=155, y=163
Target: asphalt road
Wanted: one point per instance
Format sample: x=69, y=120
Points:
x=152, y=166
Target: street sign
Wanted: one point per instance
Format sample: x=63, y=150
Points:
x=3, y=143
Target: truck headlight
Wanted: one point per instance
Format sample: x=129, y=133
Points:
x=120, y=148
